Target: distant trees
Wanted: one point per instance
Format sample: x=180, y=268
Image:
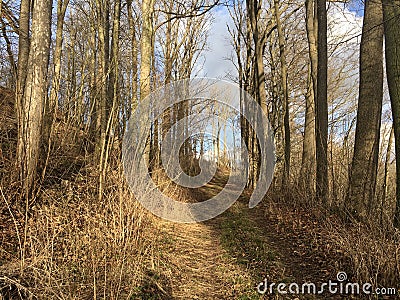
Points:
x=250, y=39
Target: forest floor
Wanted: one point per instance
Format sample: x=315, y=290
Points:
x=227, y=257
x=278, y=241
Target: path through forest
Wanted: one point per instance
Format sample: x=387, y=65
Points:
x=226, y=258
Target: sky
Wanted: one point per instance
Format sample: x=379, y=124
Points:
x=357, y=7
x=215, y=59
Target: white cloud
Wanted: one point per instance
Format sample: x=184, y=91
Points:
x=215, y=63
x=344, y=25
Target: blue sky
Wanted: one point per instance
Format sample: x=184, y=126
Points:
x=356, y=6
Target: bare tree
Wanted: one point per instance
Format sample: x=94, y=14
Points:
x=52, y=103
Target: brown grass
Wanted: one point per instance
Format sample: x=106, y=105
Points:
x=367, y=252
x=69, y=245
x=76, y=248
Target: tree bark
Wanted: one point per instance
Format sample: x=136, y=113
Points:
x=146, y=54
x=23, y=55
x=307, y=173
x=146, y=47
x=321, y=120
x=391, y=10
x=35, y=92
x=386, y=172
x=364, y=167
x=285, y=93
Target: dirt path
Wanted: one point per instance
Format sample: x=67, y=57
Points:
x=200, y=268
x=226, y=258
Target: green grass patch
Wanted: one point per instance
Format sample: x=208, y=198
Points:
x=244, y=240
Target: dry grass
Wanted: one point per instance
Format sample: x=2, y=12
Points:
x=76, y=248
x=374, y=255
x=367, y=252
x=69, y=245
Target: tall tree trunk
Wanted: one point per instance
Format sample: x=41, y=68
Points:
x=236, y=35
x=364, y=167
x=308, y=156
x=112, y=93
x=146, y=47
x=52, y=103
x=166, y=119
x=285, y=93
x=134, y=54
x=391, y=10
x=146, y=54
x=386, y=173
x=321, y=120
x=93, y=87
x=103, y=11
x=254, y=11
x=114, y=51
x=55, y=88
x=307, y=173
x=23, y=56
x=35, y=93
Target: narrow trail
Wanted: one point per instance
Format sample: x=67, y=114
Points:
x=227, y=257
x=200, y=267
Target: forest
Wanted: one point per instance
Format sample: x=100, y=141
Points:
x=199, y=149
